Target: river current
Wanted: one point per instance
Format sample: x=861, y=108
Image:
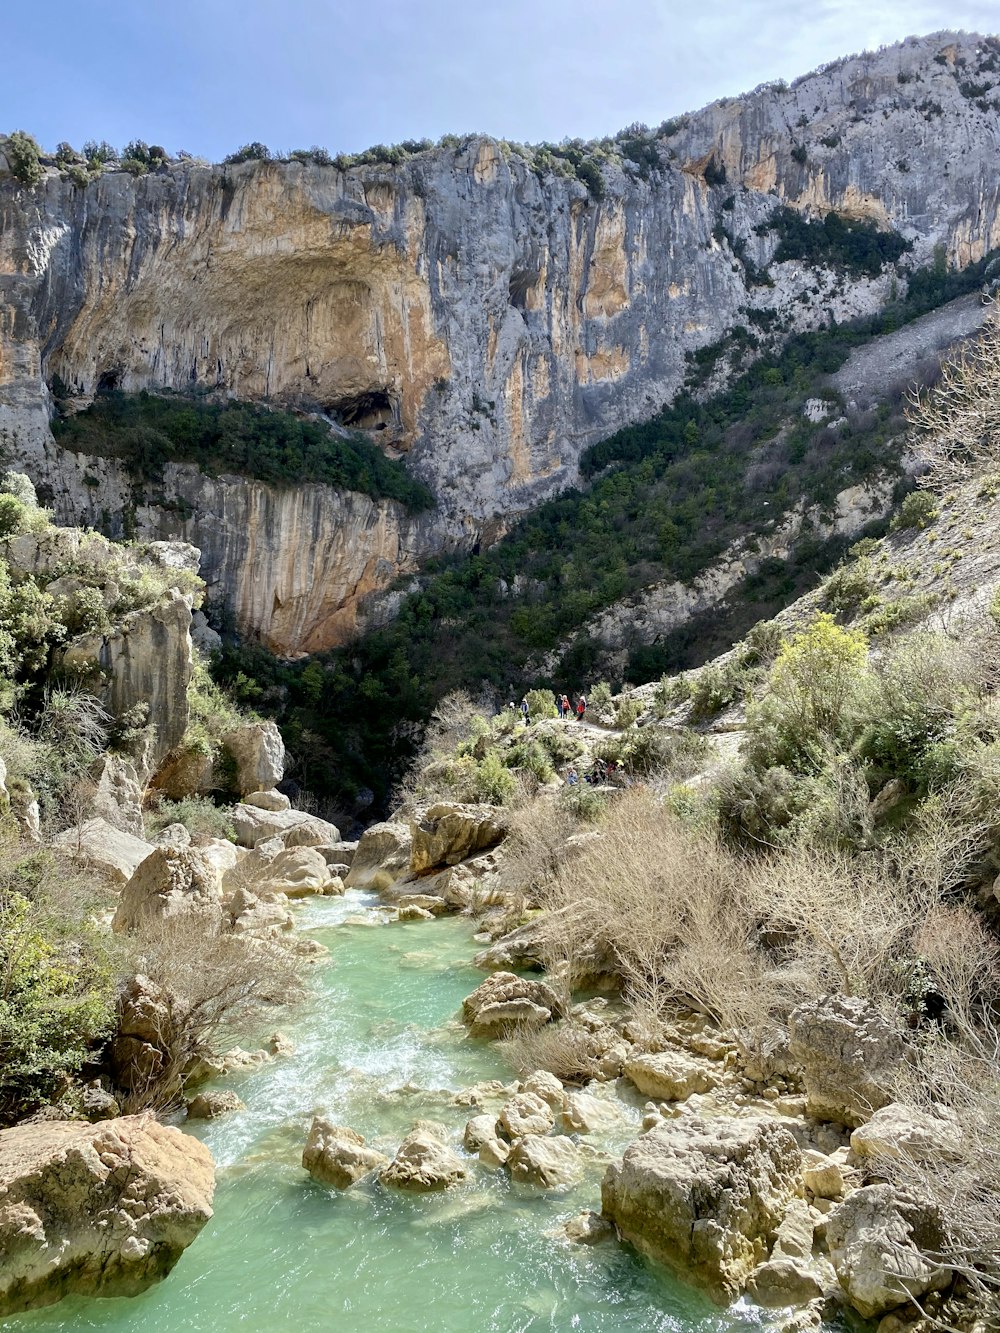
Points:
x=377, y=1047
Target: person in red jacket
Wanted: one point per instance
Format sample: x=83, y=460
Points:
x=581, y=708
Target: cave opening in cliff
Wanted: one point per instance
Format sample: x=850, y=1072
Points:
x=374, y=409
x=109, y=381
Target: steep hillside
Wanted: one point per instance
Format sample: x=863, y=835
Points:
x=487, y=309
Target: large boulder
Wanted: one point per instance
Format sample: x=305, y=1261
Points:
x=97, y=843
x=704, y=1196
x=96, y=1210
x=254, y=825
x=447, y=834
x=670, y=1076
x=547, y=1163
x=250, y=915
x=505, y=1001
x=148, y=1019
x=904, y=1131
x=210, y=1105
x=171, y=884
x=268, y=800
x=382, y=856
x=257, y=753
x=791, y=1276
x=296, y=872
x=185, y=772
x=885, y=1247
x=118, y=794
x=847, y=1053
x=424, y=1164
x=336, y=1155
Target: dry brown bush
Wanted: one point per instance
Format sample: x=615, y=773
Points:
x=958, y=421
x=219, y=989
x=568, y=1050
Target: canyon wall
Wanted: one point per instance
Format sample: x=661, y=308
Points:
x=485, y=318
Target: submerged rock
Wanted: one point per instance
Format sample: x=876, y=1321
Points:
x=705, y=1195
x=336, y=1155
x=210, y=1105
x=588, y=1229
x=96, y=1210
x=547, y=1163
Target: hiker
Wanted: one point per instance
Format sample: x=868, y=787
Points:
x=566, y=710
x=524, y=708
x=572, y=777
x=581, y=707
x=558, y=700
x=511, y=706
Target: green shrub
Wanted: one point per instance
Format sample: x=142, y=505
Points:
x=493, y=782
x=147, y=431
x=583, y=802
x=918, y=510
x=541, y=704
x=715, y=688
x=600, y=696
x=22, y=154
x=562, y=746
x=847, y=587
x=858, y=248
x=626, y=712
x=249, y=152
x=532, y=757
x=198, y=814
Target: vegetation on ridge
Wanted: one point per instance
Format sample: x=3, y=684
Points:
x=146, y=431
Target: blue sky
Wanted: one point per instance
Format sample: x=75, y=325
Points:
x=208, y=75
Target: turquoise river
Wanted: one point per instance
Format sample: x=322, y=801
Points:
x=377, y=1047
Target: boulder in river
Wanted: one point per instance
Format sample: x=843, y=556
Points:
x=382, y=856
x=547, y=1163
x=96, y=1210
x=448, y=833
x=336, y=1155
x=504, y=1001
x=525, y=1113
x=423, y=1164
x=704, y=1196
x=171, y=884
x=210, y=1105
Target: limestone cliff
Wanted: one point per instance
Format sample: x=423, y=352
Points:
x=487, y=316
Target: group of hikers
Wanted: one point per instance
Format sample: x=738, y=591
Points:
x=564, y=708
x=602, y=773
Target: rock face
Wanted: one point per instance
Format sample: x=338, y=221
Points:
x=847, y=1053
x=881, y=1244
x=704, y=1195
x=490, y=319
x=96, y=1210
x=382, y=856
x=448, y=834
x=336, y=1155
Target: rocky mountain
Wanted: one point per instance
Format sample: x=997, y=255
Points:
x=479, y=307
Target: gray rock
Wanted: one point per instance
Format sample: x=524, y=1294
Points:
x=847, y=1053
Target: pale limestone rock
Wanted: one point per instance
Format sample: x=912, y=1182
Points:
x=146, y=1028
x=257, y=750
x=98, y=843
x=670, y=1076
x=267, y=800
x=704, y=1195
x=904, y=1131
x=823, y=1176
x=479, y=1130
x=493, y=1154
x=847, y=1053
x=529, y=946
x=297, y=873
x=525, y=1113
x=118, y=794
x=547, y=1163
x=210, y=1105
x=585, y=1114
x=588, y=1229
x=428, y=902
x=96, y=1210
x=545, y=1085
x=171, y=884
x=336, y=1155
x=250, y=915
x=449, y=833
x=254, y=825
x=174, y=835
x=219, y=853
x=504, y=1000
x=411, y=912
x=184, y=772
x=423, y=1164
x=882, y=1244
x=382, y=856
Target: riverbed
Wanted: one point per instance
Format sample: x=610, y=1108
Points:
x=377, y=1047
